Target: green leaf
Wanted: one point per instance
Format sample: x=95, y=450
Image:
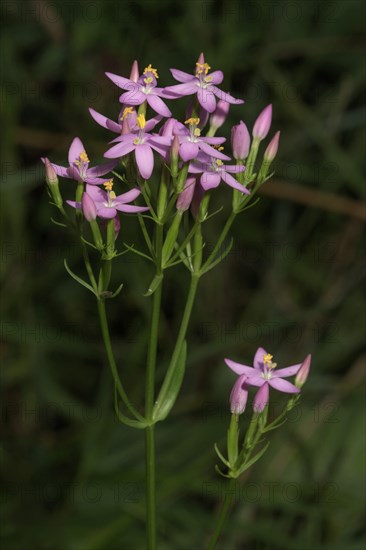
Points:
x=79, y=280
x=171, y=386
x=252, y=461
x=221, y=457
x=138, y=424
x=219, y=258
x=154, y=284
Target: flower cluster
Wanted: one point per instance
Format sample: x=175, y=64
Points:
x=196, y=160
x=264, y=375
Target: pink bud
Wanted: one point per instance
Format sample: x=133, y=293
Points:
x=125, y=127
x=88, y=207
x=239, y=396
x=219, y=116
x=260, y=400
x=134, y=74
x=263, y=123
x=201, y=58
x=272, y=148
x=51, y=176
x=196, y=201
x=186, y=196
x=240, y=141
x=303, y=372
x=167, y=130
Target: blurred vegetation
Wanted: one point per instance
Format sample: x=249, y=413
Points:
x=72, y=476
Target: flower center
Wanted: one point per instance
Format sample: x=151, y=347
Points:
x=194, y=132
x=268, y=365
x=202, y=70
x=108, y=185
x=150, y=69
x=82, y=163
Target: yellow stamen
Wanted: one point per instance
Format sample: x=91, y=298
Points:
x=197, y=132
x=84, y=157
x=112, y=195
x=208, y=79
x=126, y=111
x=267, y=359
x=148, y=80
x=218, y=147
x=202, y=68
x=141, y=121
x=219, y=162
x=150, y=69
x=108, y=185
x=193, y=121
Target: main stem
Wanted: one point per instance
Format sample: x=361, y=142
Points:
x=226, y=505
x=149, y=400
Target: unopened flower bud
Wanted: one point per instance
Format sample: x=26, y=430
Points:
x=239, y=396
x=263, y=123
x=303, y=372
x=260, y=400
x=272, y=148
x=51, y=176
x=201, y=59
x=88, y=207
x=219, y=116
x=185, y=197
x=240, y=141
x=134, y=74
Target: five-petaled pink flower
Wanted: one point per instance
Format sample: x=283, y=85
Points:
x=201, y=83
x=79, y=166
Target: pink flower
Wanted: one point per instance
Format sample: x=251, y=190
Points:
x=79, y=166
x=264, y=371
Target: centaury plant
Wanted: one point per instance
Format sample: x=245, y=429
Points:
x=187, y=158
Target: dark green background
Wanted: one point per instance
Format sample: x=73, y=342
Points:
x=72, y=476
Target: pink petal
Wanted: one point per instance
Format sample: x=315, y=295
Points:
x=131, y=209
x=210, y=180
x=206, y=99
x=216, y=77
x=257, y=381
x=133, y=97
x=225, y=96
x=74, y=204
x=288, y=371
x=105, y=122
x=187, y=88
x=234, y=168
x=119, y=150
x=228, y=178
x=181, y=76
x=62, y=171
x=211, y=151
x=107, y=212
x=120, y=81
x=188, y=151
x=150, y=124
x=158, y=105
x=128, y=196
x=97, y=193
x=238, y=368
x=283, y=385
x=102, y=169
x=76, y=148
x=258, y=358
x=145, y=160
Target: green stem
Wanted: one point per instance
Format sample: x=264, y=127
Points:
x=220, y=522
x=149, y=398
x=150, y=488
x=111, y=360
x=225, y=231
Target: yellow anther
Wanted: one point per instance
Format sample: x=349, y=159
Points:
x=141, y=121
x=148, y=80
x=208, y=78
x=127, y=111
x=112, y=195
x=193, y=121
x=202, y=68
x=267, y=359
x=197, y=132
x=219, y=162
x=84, y=157
x=218, y=147
x=150, y=69
x=108, y=185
